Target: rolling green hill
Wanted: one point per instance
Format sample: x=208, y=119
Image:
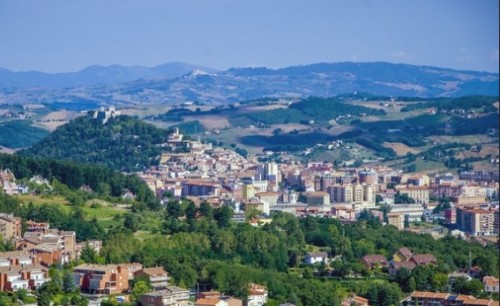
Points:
x=124, y=143
x=20, y=133
x=317, y=109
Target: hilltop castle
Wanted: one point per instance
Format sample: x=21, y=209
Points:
x=104, y=113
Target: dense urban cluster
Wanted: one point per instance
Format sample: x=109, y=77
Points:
x=238, y=231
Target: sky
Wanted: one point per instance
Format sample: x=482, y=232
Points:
x=65, y=36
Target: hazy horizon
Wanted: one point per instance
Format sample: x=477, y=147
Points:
x=60, y=36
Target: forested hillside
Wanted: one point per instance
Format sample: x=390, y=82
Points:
x=20, y=133
x=103, y=181
x=316, y=109
x=124, y=143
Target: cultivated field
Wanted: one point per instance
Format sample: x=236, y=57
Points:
x=400, y=148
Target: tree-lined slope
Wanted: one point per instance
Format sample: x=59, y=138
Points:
x=123, y=143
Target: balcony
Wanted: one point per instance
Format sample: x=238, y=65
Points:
x=110, y=285
x=19, y=284
x=38, y=282
x=159, y=278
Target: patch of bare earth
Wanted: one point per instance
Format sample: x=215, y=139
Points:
x=489, y=149
x=485, y=166
x=50, y=125
x=55, y=119
x=400, y=148
x=60, y=115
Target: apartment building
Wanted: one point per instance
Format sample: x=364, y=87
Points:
x=257, y=204
x=396, y=220
x=368, y=176
x=18, y=258
x=363, y=194
x=21, y=270
x=157, y=276
x=17, y=277
x=200, y=188
x=413, y=212
x=491, y=284
x=423, y=298
x=61, y=242
x=101, y=279
x=10, y=226
x=248, y=191
x=257, y=295
x=270, y=197
x=215, y=298
x=478, y=221
x=171, y=295
x=419, y=193
x=318, y=198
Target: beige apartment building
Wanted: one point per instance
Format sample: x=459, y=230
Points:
x=363, y=194
x=419, y=193
x=10, y=226
x=318, y=198
x=478, y=221
x=171, y=295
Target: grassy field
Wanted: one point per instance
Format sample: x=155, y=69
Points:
x=469, y=139
x=50, y=200
x=485, y=166
x=400, y=149
x=229, y=136
x=106, y=213
x=144, y=235
x=429, y=166
x=103, y=211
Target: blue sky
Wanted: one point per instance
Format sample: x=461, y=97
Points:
x=63, y=35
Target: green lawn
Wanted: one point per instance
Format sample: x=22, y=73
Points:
x=105, y=212
x=49, y=200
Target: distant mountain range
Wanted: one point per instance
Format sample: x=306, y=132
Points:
x=178, y=82
x=94, y=75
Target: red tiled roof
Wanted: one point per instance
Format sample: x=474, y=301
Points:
x=405, y=251
x=423, y=259
x=373, y=259
x=430, y=295
x=404, y=264
x=154, y=271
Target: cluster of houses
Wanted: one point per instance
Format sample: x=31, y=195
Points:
x=445, y=299
x=27, y=268
x=403, y=258
x=115, y=279
x=40, y=247
x=222, y=177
